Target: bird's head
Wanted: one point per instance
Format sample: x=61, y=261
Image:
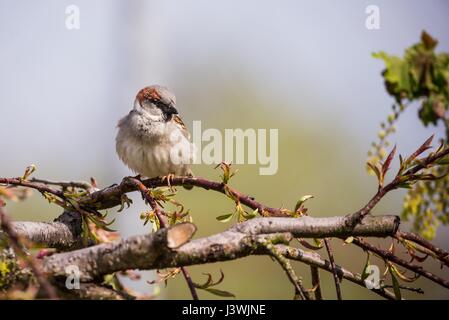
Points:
x=156, y=101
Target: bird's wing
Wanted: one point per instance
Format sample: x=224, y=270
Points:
x=177, y=120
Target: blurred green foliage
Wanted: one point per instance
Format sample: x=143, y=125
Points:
x=420, y=76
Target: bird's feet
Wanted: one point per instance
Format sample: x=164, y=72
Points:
x=169, y=177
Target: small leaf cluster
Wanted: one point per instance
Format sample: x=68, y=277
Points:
x=162, y=196
x=239, y=211
x=421, y=74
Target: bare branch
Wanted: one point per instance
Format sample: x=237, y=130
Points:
x=94, y=291
x=66, y=184
x=439, y=253
x=314, y=259
x=334, y=271
x=310, y=227
x=387, y=255
x=63, y=234
x=138, y=252
x=111, y=196
x=151, y=252
x=300, y=291
x=315, y=274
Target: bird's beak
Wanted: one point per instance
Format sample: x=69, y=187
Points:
x=170, y=109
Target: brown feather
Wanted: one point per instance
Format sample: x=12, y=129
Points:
x=176, y=119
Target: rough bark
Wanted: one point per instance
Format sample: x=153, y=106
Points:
x=152, y=251
x=64, y=233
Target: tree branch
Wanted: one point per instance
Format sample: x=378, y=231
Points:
x=334, y=272
x=315, y=275
x=310, y=227
x=405, y=174
x=63, y=234
x=111, y=196
x=387, y=255
x=314, y=259
x=435, y=251
x=151, y=251
x=163, y=223
x=300, y=291
x=94, y=291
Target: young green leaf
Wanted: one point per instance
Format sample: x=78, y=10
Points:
x=396, y=288
x=349, y=240
x=225, y=217
x=220, y=293
x=301, y=201
x=375, y=168
x=28, y=172
x=403, y=277
x=365, y=273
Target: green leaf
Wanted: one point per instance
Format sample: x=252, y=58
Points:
x=394, y=269
x=302, y=200
x=225, y=217
x=443, y=161
x=101, y=224
x=220, y=293
x=396, y=288
x=377, y=171
x=405, y=185
x=252, y=214
x=429, y=42
x=207, y=284
x=349, y=240
x=393, y=66
x=86, y=232
x=365, y=273
x=28, y=172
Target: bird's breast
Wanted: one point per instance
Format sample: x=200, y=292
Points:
x=153, y=155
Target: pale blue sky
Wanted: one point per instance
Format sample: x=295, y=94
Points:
x=68, y=88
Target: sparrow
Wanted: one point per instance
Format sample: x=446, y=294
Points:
x=152, y=140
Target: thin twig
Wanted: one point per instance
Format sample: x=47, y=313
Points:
x=162, y=222
x=190, y=283
x=285, y=264
x=314, y=259
x=387, y=255
x=65, y=184
x=42, y=188
x=111, y=197
x=334, y=271
x=439, y=253
x=5, y=225
x=395, y=183
x=316, y=282
x=412, y=289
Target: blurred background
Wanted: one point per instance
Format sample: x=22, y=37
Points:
x=304, y=68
